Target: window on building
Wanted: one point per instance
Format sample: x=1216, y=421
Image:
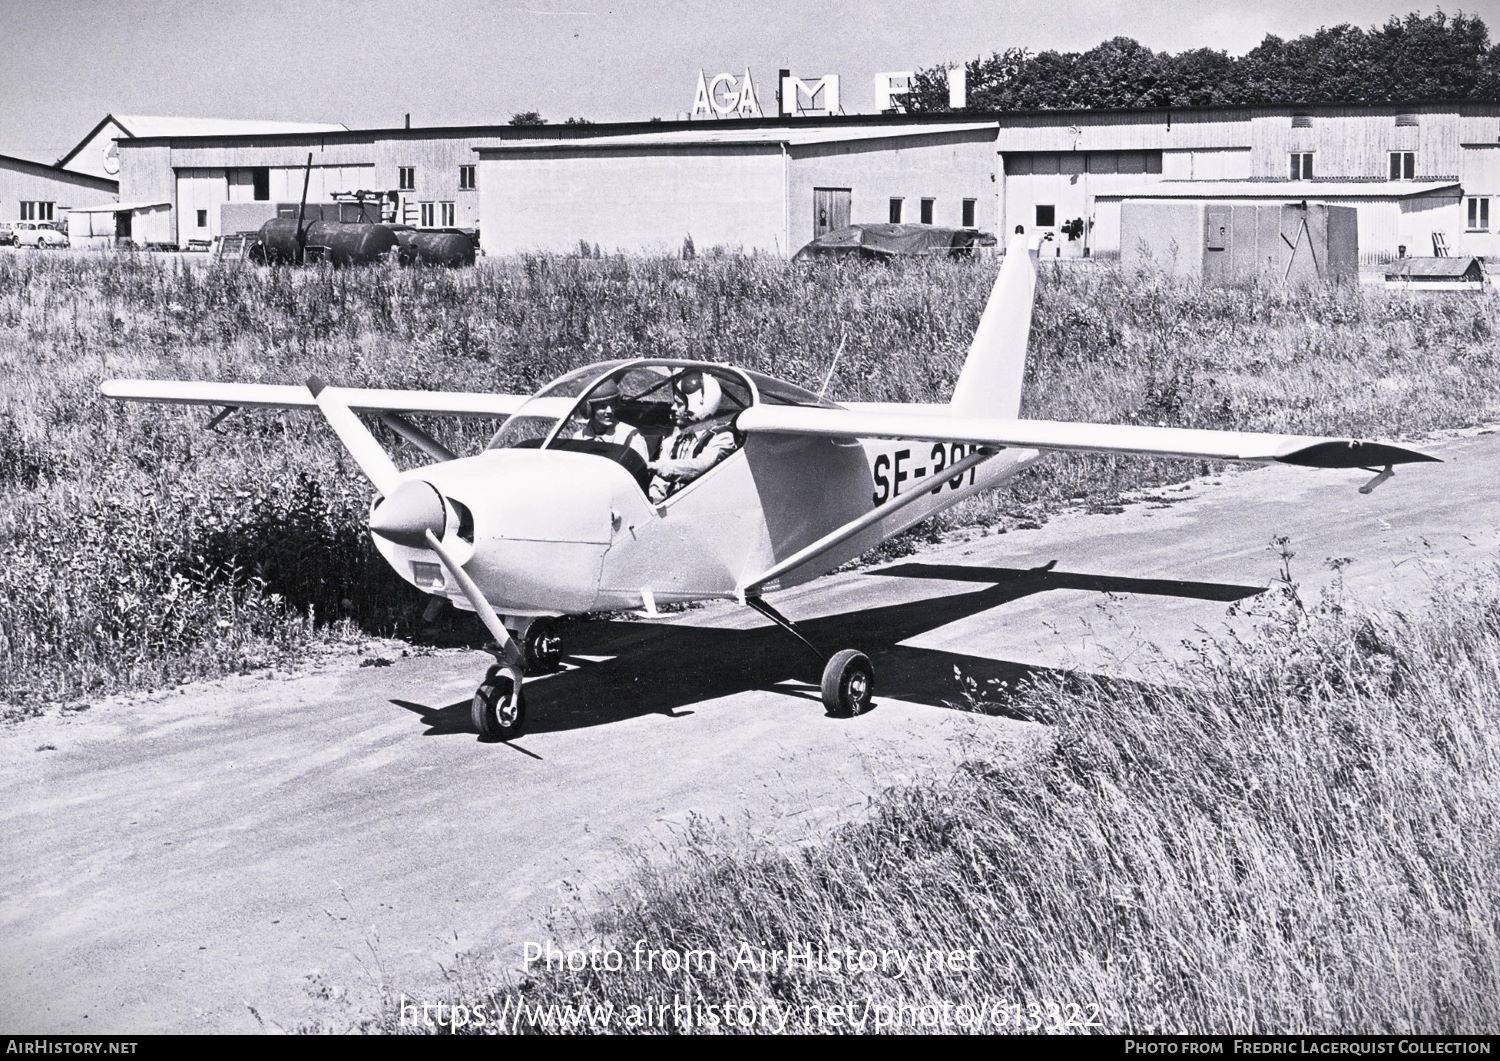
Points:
x=1046, y=216
x=1403, y=165
x=202, y=218
x=1479, y=213
x=429, y=214
x=1406, y=120
x=466, y=178
x=447, y=214
x=896, y=205
x=927, y=211
x=36, y=210
x=260, y=182
x=406, y=178
x=1301, y=121
x=969, y=204
x=1302, y=165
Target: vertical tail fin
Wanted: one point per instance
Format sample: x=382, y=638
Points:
x=992, y=376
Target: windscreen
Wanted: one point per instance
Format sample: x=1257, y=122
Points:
x=528, y=428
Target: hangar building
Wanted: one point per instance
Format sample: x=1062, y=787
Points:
x=86, y=179
x=149, y=219
x=426, y=175
x=1411, y=171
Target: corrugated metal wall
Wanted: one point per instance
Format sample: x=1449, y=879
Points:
x=18, y=184
x=1354, y=142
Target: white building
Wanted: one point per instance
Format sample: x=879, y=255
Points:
x=769, y=189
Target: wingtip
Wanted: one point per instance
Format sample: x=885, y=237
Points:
x=1354, y=454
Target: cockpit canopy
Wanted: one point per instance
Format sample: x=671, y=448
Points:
x=553, y=417
x=645, y=399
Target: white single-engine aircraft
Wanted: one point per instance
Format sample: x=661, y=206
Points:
x=551, y=521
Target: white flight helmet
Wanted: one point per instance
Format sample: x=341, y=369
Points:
x=701, y=392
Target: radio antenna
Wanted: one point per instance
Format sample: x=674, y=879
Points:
x=843, y=337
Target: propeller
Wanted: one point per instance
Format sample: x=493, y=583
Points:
x=371, y=457
x=413, y=513
x=505, y=645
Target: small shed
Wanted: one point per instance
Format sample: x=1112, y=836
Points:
x=114, y=224
x=1223, y=242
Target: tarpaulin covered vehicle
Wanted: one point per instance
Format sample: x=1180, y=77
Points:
x=886, y=240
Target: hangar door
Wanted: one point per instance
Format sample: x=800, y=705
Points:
x=830, y=209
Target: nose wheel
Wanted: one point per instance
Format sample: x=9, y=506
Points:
x=499, y=707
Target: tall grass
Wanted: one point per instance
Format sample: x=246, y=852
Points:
x=132, y=536
x=1295, y=834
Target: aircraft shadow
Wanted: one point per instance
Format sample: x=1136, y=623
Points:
x=659, y=668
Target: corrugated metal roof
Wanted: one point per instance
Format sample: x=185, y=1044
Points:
x=1282, y=190
x=113, y=208
x=710, y=137
x=159, y=125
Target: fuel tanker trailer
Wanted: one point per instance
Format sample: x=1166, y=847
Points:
x=289, y=241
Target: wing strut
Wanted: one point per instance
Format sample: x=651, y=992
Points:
x=756, y=586
x=219, y=417
x=417, y=437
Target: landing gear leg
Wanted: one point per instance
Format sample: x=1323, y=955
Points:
x=848, y=679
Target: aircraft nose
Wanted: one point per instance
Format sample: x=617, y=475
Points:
x=404, y=518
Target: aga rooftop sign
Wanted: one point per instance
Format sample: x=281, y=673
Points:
x=728, y=96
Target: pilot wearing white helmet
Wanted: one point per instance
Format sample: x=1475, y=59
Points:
x=699, y=442
x=604, y=425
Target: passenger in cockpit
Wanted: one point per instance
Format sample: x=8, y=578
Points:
x=603, y=423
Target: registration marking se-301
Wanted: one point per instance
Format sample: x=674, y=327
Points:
x=891, y=473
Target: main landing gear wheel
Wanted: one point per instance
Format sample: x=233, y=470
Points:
x=848, y=681
x=543, y=644
x=499, y=707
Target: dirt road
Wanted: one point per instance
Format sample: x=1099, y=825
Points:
x=171, y=862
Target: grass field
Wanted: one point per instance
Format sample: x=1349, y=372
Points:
x=1294, y=835
x=143, y=550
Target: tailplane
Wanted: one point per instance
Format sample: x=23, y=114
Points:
x=992, y=376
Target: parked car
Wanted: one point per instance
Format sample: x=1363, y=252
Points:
x=40, y=234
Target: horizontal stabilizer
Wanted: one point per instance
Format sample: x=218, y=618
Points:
x=275, y=396
x=892, y=422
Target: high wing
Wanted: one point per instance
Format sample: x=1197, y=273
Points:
x=272, y=396
x=898, y=421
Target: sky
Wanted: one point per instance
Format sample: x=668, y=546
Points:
x=368, y=63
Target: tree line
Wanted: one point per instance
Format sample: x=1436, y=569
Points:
x=1412, y=59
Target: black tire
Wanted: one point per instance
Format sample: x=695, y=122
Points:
x=848, y=683
x=543, y=646
x=492, y=713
